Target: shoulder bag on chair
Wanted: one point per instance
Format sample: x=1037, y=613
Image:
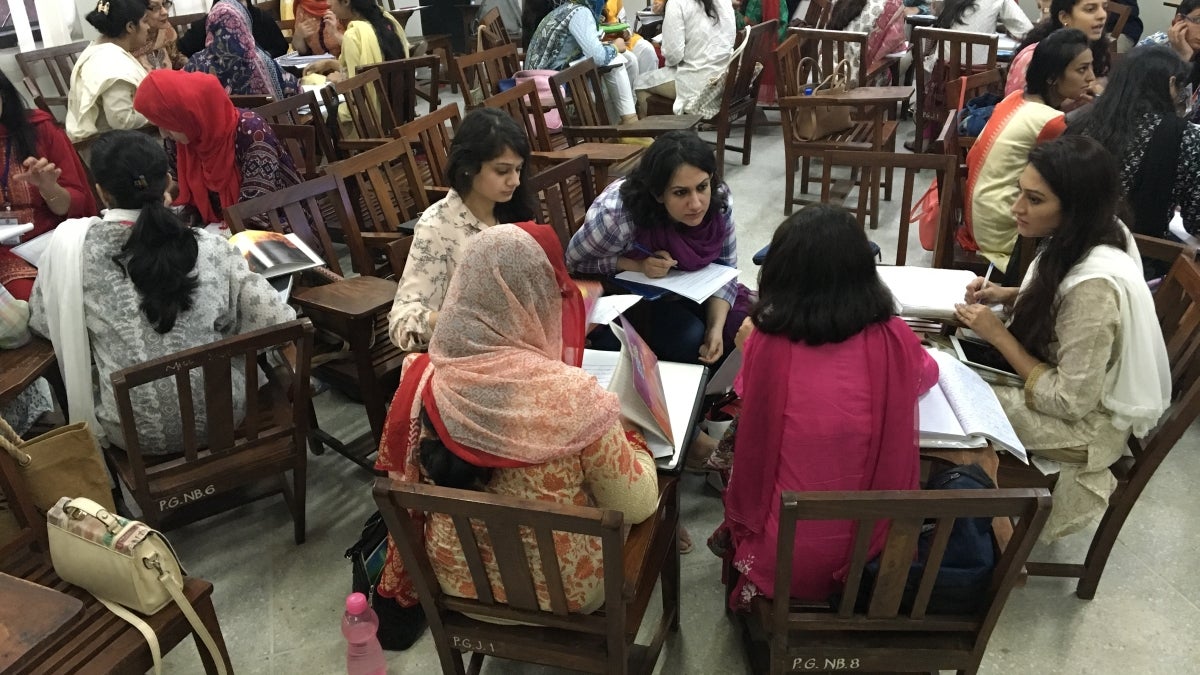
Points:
x=817, y=122
x=124, y=563
x=708, y=103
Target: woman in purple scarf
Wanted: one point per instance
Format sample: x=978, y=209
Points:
x=673, y=207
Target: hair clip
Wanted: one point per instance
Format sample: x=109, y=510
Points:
x=102, y=7
x=140, y=182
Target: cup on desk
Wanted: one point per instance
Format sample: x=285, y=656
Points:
x=716, y=423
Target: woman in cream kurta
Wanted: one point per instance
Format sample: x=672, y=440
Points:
x=695, y=48
x=103, y=83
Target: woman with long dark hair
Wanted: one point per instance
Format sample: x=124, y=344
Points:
x=488, y=171
x=828, y=365
x=107, y=73
x=42, y=181
x=982, y=16
x=1083, y=333
x=1088, y=16
x=1142, y=119
x=137, y=284
x=697, y=41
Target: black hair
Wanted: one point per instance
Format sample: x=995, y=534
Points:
x=845, y=11
x=385, y=31
x=1101, y=61
x=710, y=8
x=954, y=12
x=160, y=254
x=1083, y=175
x=1187, y=7
x=484, y=135
x=15, y=119
x=818, y=283
x=1139, y=86
x=646, y=184
x=1051, y=58
x=445, y=468
x=112, y=17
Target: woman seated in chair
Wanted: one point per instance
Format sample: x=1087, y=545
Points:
x=267, y=34
x=43, y=181
x=137, y=284
x=222, y=155
x=830, y=379
x=514, y=414
x=316, y=29
x=1087, y=16
x=647, y=56
x=231, y=55
x=107, y=73
x=881, y=20
x=671, y=212
x=371, y=36
x=487, y=169
x=982, y=16
x=1061, y=69
x=160, y=50
x=1083, y=333
x=698, y=37
x=568, y=34
x=1142, y=118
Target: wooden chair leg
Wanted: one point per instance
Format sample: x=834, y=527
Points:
x=805, y=167
x=722, y=137
x=299, y=494
x=208, y=617
x=789, y=188
x=476, y=663
x=749, y=134
x=1120, y=504
x=872, y=177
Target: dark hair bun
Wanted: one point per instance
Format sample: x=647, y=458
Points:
x=110, y=17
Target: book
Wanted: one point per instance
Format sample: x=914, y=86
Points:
x=926, y=292
x=31, y=251
x=696, y=286
x=962, y=411
x=272, y=254
x=10, y=235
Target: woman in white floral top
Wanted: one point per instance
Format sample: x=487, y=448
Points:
x=487, y=171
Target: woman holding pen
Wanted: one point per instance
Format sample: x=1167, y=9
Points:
x=670, y=213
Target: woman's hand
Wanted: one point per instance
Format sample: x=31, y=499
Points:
x=982, y=320
x=301, y=32
x=619, y=45
x=713, y=346
x=743, y=333
x=981, y=291
x=657, y=266
x=1177, y=38
x=41, y=173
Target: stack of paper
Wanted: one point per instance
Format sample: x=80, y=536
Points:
x=926, y=292
x=696, y=286
x=962, y=411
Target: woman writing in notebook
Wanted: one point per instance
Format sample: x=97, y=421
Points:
x=1083, y=333
x=670, y=213
x=829, y=381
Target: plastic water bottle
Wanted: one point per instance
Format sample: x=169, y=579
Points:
x=364, y=656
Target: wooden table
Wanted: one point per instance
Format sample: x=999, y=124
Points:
x=20, y=367
x=29, y=616
x=601, y=156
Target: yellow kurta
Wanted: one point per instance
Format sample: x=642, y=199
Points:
x=360, y=47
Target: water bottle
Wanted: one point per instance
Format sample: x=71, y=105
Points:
x=364, y=656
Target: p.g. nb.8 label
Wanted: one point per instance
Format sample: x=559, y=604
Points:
x=188, y=497
x=824, y=664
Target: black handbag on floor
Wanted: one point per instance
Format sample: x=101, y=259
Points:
x=399, y=626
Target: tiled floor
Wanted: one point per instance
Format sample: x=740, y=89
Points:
x=280, y=604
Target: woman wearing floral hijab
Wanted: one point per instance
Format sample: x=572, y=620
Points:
x=230, y=54
x=160, y=50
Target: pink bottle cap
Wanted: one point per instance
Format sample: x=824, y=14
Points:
x=356, y=603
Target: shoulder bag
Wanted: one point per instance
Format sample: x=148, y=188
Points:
x=814, y=122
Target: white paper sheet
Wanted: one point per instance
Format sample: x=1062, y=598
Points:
x=975, y=406
x=10, y=235
x=609, y=307
x=31, y=251
x=696, y=286
x=925, y=292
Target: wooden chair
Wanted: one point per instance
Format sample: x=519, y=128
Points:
x=236, y=455
x=579, y=96
x=431, y=136
x=828, y=48
x=945, y=170
x=400, y=82
x=494, y=33
x=39, y=99
x=182, y=22
x=601, y=642
x=478, y=74
x=55, y=62
x=250, y=101
x=301, y=143
x=96, y=640
x=382, y=195
x=956, y=52
x=816, y=15
x=371, y=113
x=1121, y=12
x=565, y=191
x=303, y=108
x=889, y=635
x=1177, y=304
x=975, y=85
x=871, y=133
x=303, y=209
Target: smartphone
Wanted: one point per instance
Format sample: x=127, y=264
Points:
x=981, y=355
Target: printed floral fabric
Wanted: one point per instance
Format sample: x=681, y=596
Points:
x=1187, y=173
x=231, y=54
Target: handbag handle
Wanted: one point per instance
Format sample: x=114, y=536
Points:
x=11, y=442
x=819, y=79
x=79, y=507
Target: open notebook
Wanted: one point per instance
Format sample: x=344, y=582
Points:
x=961, y=411
x=924, y=291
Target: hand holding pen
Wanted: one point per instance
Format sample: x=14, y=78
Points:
x=657, y=263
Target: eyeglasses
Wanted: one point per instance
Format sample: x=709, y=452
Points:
x=1194, y=20
x=156, y=6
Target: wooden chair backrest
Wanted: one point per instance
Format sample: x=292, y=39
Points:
x=579, y=95
x=565, y=191
x=817, y=14
x=273, y=430
x=250, y=101
x=30, y=534
x=303, y=108
x=976, y=84
x=182, y=22
x=300, y=140
x=400, y=83
x=944, y=167
x=296, y=208
x=504, y=519
x=855, y=636
x=1122, y=13
x=370, y=111
x=955, y=48
x=484, y=69
x=495, y=34
x=524, y=106
x=380, y=190
x=432, y=136
x=57, y=63
x=741, y=85
x=39, y=99
x=828, y=48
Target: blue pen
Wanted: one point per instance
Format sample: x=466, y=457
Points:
x=642, y=249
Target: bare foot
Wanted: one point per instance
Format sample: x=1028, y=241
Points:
x=685, y=540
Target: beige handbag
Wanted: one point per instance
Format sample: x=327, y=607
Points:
x=125, y=564
x=816, y=122
x=65, y=461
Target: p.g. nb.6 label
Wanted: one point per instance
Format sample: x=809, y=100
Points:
x=186, y=497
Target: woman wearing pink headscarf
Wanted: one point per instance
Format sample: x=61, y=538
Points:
x=231, y=54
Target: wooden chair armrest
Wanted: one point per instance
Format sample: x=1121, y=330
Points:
x=1161, y=249
x=350, y=299
x=651, y=535
x=381, y=239
x=435, y=193
x=361, y=143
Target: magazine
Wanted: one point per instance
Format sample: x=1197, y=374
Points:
x=272, y=254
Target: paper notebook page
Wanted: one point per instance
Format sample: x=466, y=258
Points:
x=697, y=286
x=925, y=292
x=610, y=307
x=975, y=404
x=936, y=415
x=681, y=382
x=601, y=365
x=31, y=251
